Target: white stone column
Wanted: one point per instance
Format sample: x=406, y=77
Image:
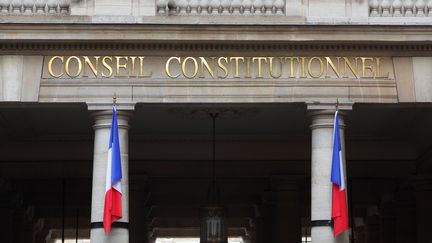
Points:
x=102, y=126
x=322, y=148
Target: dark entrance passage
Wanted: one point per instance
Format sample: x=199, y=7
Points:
x=262, y=168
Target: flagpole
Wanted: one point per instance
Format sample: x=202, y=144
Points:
x=337, y=104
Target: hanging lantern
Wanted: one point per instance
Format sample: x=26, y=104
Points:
x=213, y=225
x=213, y=228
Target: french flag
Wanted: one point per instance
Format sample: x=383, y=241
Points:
x=113, y=192
x=339, y=198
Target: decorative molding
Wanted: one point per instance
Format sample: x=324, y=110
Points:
x=109, y=47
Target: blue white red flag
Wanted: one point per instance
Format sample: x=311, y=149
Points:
x=339, y=198
x=113, y=192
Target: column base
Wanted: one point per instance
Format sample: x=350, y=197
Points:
x=116, y=235
x=325, y=235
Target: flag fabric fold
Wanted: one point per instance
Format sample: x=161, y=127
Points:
x=113, y=192
x=339, y=197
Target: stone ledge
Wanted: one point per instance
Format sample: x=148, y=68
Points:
x=215, y=33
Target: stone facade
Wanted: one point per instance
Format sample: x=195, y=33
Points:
x=322, y=54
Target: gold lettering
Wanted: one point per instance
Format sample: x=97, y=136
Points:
x=331, y=64
x=367, y=67
x=141, y=71
x=259, y=59
x=206, y=65
x=119, y=66
x=292, y=65
x=79, y=69
x=236, y=59
x=133, y=66
x=248, y=62
x=303, y=67
x=167, y=66
x=184, y=67
x=50, y=68
x=350, y=66
x=188, y=67
x=310, y=68
x=271, y=67
x=222, y=66
x=94, y=68
x=378, y=69
x=107, y=66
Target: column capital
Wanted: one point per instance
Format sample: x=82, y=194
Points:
x=103, y=118
x=322, y=114
x=325, y=119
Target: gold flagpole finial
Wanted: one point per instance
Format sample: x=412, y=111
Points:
x=114, y=99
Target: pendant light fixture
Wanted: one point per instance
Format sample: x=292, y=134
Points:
x=213, y=228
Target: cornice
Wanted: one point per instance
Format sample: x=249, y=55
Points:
x=280, y=49
x=43, y=39
x=59, y=32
